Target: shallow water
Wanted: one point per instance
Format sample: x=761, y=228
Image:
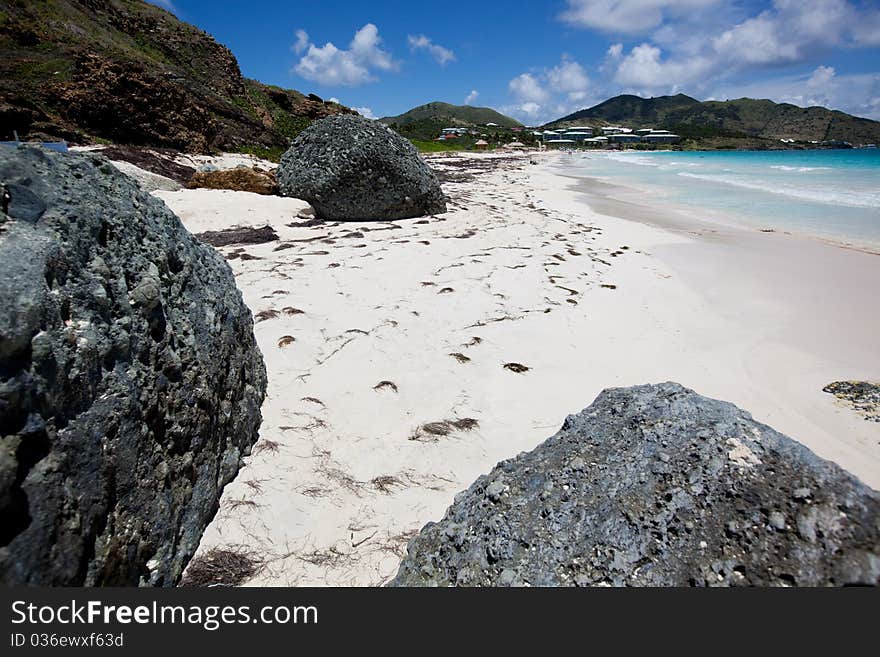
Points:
x=833, y=194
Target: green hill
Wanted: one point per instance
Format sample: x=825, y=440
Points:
x=129, y=72
x=743, y=120
x=452, y=116
x=631, y=109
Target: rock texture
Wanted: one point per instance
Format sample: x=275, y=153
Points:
x=862, y=396
x=240, y=179
x=349, y=167
x=130, y=380
x=656, y=485
x=130, y=72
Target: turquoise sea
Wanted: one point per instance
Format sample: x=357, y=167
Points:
x=833, y=194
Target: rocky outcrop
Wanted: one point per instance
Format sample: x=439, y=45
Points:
x=240, y=179
x=349, y=167
x=130, y=380
x=656, y=486
x=862, y=396
x=132, y=73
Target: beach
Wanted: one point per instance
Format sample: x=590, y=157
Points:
x=406, y=358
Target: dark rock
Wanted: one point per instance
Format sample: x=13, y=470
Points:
x=155, y=160
x=348, y=167
x=243, y=235
x=23, y=204
x=597, y=505
x=130, y=381
x=862, y=396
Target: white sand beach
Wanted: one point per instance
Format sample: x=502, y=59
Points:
x=372, y=330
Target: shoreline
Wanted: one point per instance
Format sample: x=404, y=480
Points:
x=371, y=330
x=778, y=292
x=681, y=216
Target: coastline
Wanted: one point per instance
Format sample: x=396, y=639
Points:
x=661, y=208
x=790, y=311
x=343, y=475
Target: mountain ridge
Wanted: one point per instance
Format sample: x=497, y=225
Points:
x=456, y=115
x=741, y=118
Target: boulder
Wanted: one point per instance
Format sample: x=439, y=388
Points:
x=348, y=167
x=130, y=380
x=240, y=179
x=655, y=486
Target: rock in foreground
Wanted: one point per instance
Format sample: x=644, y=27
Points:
x=130, y=380
x=656, y=486
x=349, y=167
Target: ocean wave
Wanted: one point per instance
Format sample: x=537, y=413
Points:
x=631, y=158
x=851, y=198
x=783, y=167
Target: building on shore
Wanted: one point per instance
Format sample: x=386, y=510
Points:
x=661, y=137
x=624, y=138
x=481, y=144
x=560, y=142
x=578, y=134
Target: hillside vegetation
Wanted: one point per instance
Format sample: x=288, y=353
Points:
x=130, y=72
x=452, y=116
x=736, y=122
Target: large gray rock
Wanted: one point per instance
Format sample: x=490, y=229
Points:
x=656, y=485
x=348, y=167
x=130, y=381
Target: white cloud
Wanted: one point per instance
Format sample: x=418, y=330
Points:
x=328, y=65
x=471, y=97
x=821, y=77
x=302, y=41
x=366, y=112
x=866, y=30
x=548, y=93
x=568, y=77
x=644, y=69
x=526, y=87
x=440, y=54
x=628, y=16
x=697, y=55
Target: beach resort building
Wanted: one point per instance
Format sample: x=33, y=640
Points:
x=624, y=138
x=559, y=142
x=661, y=137
x=596, y=141
x=578, y=133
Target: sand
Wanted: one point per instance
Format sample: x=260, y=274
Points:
x=359, y=324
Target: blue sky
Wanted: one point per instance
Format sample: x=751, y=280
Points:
x=540, y=60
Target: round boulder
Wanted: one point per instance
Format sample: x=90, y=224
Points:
x=351, y=168
x=130, y=380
